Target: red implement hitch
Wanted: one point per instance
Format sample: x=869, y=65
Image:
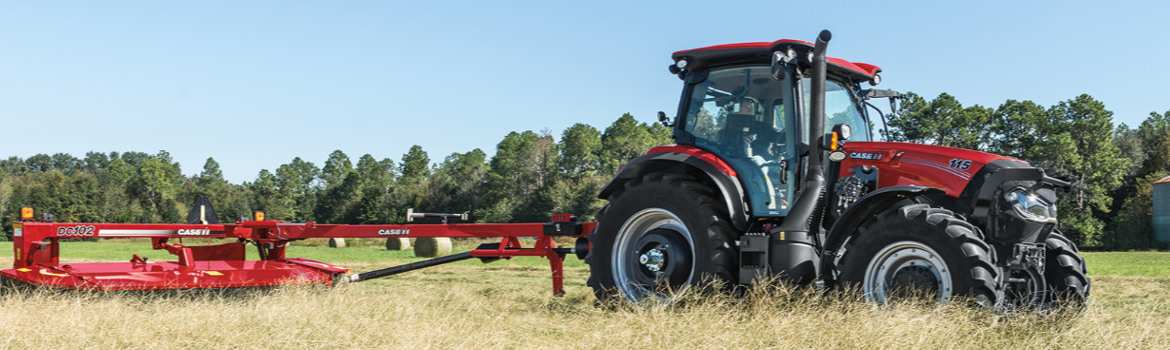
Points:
x=36, y=253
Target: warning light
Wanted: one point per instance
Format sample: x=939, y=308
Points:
x=833, y=142
x=26, y=213
x=258, y=215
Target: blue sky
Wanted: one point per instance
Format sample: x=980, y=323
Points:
x=254, y=84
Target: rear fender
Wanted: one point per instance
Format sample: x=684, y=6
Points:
x=726, y=184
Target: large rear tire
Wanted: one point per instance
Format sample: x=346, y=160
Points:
x=660, y=234
x=1065, y=272
x=916, y=248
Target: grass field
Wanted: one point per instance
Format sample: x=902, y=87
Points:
x=507, y=304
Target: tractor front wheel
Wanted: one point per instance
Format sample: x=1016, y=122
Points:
x=917, y=249
x=660, y=234
x=1065, y=272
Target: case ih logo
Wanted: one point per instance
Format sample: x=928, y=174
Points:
x=193, y=232
x=394, y=232
x=863, y=155
x=84, y=230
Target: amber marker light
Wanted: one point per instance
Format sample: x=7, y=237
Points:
x=26, y=213
x=258, y=215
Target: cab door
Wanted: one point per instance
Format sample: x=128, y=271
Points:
x=743, y=115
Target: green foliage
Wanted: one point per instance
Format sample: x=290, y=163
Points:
x=415, y=165
x=337, y=199
x=366, y=196
x=626, y=139
x=96, y=160
x=155, y=185
x=533, y=175
x=580, y=147
x=336, y=168
x=376, y=173
x=1017, y=129
x=268, y=197
x=1133, y=225
x=13, y=166
x=1130, y=148
x=209, y=183
x=229, y=201
x=1088, y=153
x=456, y=185
x=411, y=183
x=298, y=181
x=1153, y=137
x=942, y=121
x=524, y=164
x=577, y=195
x=39, y=162
x=574, y=189
x=1145, y=151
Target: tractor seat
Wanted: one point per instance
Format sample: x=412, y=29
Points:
x=735, y=132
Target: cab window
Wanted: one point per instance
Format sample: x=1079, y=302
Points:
x=841, y=107
x=741, y=114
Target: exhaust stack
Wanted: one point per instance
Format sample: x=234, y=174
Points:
x=793, y=252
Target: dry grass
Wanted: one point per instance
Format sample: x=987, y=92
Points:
x=511, y=307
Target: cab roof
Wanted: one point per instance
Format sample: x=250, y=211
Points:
x=761, y=52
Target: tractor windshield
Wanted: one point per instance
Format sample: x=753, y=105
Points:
x=743, y=115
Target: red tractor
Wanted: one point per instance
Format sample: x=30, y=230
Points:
x=775, y=175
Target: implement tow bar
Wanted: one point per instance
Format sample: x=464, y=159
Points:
x=487, y=252
x=394, y=270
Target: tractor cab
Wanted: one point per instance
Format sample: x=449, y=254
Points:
x=753, y=113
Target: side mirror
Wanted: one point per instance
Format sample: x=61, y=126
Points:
x=879, y=93
x=779, y=60
x=662, y=119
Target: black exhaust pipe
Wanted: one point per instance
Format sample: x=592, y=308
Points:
x=793, y=252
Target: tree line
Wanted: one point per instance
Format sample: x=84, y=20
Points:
x=1113, y=166
x=531, y=175
x=534, y=174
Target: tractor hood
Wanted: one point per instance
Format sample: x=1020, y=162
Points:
x=947, y=168
x=982, y=186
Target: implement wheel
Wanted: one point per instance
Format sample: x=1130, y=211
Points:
x=660, y=234
x=917, y=249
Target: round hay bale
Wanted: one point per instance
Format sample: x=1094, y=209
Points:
x=400, y=243
x=337, y=243
x=432, y=246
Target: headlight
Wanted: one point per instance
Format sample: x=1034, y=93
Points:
x=1030, y=206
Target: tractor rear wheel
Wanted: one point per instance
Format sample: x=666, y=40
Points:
x=660, y=234
x=1065, y=272
x=917, y=248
